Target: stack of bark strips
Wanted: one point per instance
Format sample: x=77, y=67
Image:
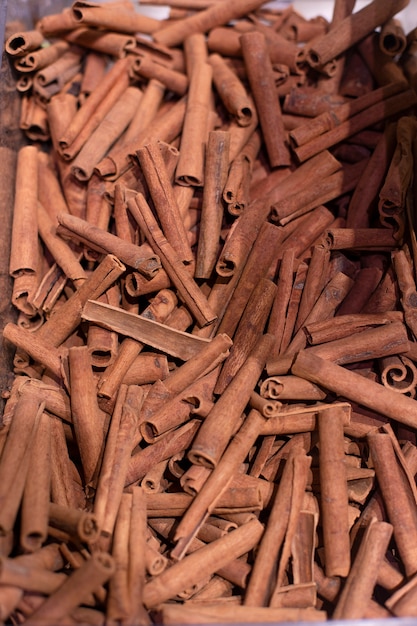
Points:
x=212, y=412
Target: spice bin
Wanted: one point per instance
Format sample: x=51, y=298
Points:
x=209, y=327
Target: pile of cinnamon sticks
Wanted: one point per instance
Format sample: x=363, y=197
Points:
x=213, y=413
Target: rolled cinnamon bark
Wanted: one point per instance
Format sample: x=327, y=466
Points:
x=196, y=398
x=395, y=488
x=107, y=132
x=146, y=111
x=205, y=501
x=290, y=388
x=15, y=459
x=135, y=256
x=187, y=287
x=379, y=342
x=376, y=113
x=393, y=192
x=160, y=336
x=402, y=602
x=237, y=246
x=95, y=66
x=107, y=42
x=63, y=322
x=216, y=166
x=34, y=121
x=154, y=481
x=190, y=167
x=87, y=113
x=103, y=344
x=351, y=30
x=41, y=57
x=307, y=231
x=407, y=287
x=277, y=318
x=325, y=307
x=262, y=578
x=202, y=562
x=353, y=386
x=35, y=501
x=172, y=443
x=136, y=564
x=296, y=289
x=115, y=462
x=345, y=325
x=78, y=524
x=30, y=578
x=166, y=126
x=333, y=493
x=249, y=331
x=34, y=347
x=88, y=419
x=361, y=238
x=236, y=189
x=24, y=258
x=314, y=284
x=157, y=178
x=66, y=484
x=326, y=121
x=399, y=373
x=217, y=613
x=112, y=18
x=50, y=192
x=366, y=281
x=258, y=64
x=145, y=67
x=215, y=15
x=231, y=90
x=325, y=163
x=306, y=199
x=93, y=573
x=194, y=478
x=210, y=443
x=52, y=79
x=62, y=253
x=256, y=268
x=256, y=251
x=118, y=599
x=20, y=43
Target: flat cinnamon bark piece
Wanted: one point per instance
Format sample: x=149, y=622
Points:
x=177, y=343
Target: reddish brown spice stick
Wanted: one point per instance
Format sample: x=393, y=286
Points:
x=353, y=386
x=334, y=493
x=216, y=15
x=260, y=75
